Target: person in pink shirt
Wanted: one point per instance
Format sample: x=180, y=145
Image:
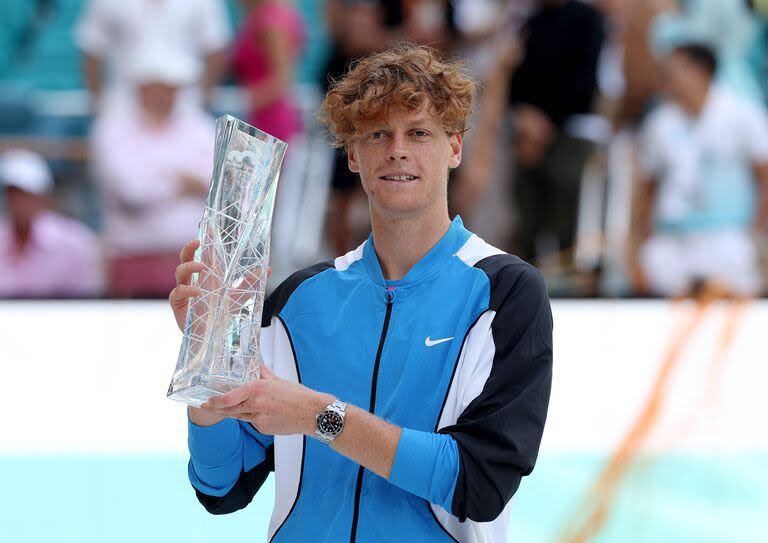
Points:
x=42, y=254
x=264, y=56
x=152, y=164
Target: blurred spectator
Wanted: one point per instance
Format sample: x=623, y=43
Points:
x=481, y=29
x=477, y=22
x=642, y=79
x=552, y=93
x=481, y=143
x=728, y=27
x=701, y=153
x=431, y=22
x=264, y=57
x=111, y=32
x=610, y=73
x=152, y=164
x=42, y=253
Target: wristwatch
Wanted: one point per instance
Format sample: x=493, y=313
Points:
x=330, y=421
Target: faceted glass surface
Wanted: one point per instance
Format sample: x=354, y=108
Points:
x=220, y=350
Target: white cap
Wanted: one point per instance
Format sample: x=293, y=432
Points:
x=163, y=66
x=25, y=170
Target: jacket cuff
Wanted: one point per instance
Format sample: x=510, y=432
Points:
x=427, y=465
x=216, y=456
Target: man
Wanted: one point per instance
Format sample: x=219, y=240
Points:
x=552, y=93
x=704, y=156
x=421, y=361
x=152, y=163
x=42, y=253
x=111, y=33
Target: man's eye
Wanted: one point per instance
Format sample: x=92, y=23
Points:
x=378, y=134
x=420, y=133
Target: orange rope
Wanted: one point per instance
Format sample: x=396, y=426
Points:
x=709, y=399
x=594, y=512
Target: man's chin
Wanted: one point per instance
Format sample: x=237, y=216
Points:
x=398, y=210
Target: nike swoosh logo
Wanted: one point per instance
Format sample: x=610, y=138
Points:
x=431, y=343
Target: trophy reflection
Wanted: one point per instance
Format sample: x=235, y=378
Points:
x=220, y=350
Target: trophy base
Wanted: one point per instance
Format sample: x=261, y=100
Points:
x=197, y=395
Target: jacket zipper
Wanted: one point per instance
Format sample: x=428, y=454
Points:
x=359, y=486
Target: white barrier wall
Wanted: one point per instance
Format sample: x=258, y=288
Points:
x=101, y=370
x=90, y=445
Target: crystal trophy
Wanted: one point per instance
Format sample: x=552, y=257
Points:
x=220, y=349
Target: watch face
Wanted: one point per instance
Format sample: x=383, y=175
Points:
x=330, y=423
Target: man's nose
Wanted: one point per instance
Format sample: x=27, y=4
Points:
x=398, y=149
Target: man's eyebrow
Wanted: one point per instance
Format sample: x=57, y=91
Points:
x=371, y=127
x=385, y=125
x=418, y=122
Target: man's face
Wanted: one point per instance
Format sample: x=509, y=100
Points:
x=403, y=162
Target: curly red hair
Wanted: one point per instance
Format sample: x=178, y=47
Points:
x=406, y=77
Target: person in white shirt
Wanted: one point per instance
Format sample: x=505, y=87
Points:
x=152, y=164
x=704, y=156
x=112, y=32
x=42, y=253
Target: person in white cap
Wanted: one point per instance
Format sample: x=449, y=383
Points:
x=110, y=32
x=42, y=253
x=152, y=163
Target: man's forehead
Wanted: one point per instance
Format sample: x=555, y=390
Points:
x=401, y=116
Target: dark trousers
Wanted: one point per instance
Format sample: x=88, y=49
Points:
x=547, y=196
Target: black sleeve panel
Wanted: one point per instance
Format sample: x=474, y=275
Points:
x=499, y=432
x=246, y=487
x=276, y=301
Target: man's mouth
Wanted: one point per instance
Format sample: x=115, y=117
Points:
x=400, y=178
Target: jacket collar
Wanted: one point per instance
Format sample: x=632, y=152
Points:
x=435, y=259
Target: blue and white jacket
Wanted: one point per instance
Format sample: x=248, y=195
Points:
x=458, y=353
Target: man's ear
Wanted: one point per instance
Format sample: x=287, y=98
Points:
x=354, y=167
x=456, y=144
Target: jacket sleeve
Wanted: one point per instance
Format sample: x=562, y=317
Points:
x=426, y=464
x=229, y=462
x=499, y=432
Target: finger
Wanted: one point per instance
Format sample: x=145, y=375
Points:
x=269, y=272
x=231, y=399
x=182, y=293
x=184, y=272
x=188, y=251
x=242, y=411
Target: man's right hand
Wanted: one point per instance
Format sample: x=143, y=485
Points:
x=184, y=290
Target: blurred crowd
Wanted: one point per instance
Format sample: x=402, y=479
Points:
x=620, y=145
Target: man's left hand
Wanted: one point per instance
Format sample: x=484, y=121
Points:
x=272, y=405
